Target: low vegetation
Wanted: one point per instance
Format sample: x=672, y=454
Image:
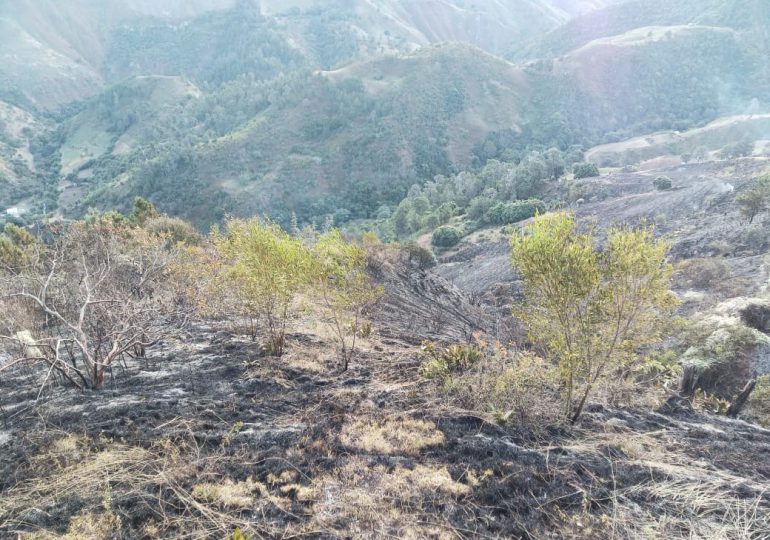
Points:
x=591, y=311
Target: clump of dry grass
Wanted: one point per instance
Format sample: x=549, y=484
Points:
x=360, y=500
x=398, y=436
x=229, y=494
x=516, y=387
x=101, y=481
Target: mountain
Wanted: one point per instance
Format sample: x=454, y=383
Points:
x=749, y=16
x=58, y=52
x=52, y=52
x=338, y=108
x=351, y=139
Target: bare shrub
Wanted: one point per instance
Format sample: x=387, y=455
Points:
x=702, y=272
x=93, y=295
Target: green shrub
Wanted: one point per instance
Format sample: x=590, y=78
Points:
x=513, y=212
x=585, y=170
x=441, y=363
x=662, y=183
x=446, y=236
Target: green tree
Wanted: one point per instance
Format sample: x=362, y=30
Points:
x=445, y=236
x=265, y=269
x=754, y=200
x=530, y=175
x=515, y=211
x=344, y=288
x=700, y=154
x=591, y=310
x=15, y=244
x=554, y=162
x=662, y=183
x=402, y=218
x=143, y=210
x=585, y=170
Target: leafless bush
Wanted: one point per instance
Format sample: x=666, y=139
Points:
x=91, y=296
x=702, y=273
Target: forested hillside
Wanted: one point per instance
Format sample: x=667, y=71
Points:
x=217, y=107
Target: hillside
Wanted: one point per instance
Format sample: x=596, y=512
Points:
x=749, y=17
x=339, y=111
x=711, y=137
x=56, y=53
x=356, y=138
x=328, y=137
x=207, y=434
x=53, y=52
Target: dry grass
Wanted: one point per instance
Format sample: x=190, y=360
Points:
x=400, y=436
x=102, y=483
x=680, y=500
x=366, y=501
x=229, y=494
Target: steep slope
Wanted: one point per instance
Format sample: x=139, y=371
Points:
x=400, y=25
x=353, y=139
x=713, y=136
x=17, y=167
x=749, y=16
x=58, y=52
x=52, y=52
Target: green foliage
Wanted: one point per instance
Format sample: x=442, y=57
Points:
x=759, y=403
x=592, y=310
x=214, y=48
x=662, y=183
x=513, y=212
x=585, y=170
x=423, y=257
x=175, y=230
x=143, y=210
x=755, y=199
x=15, y=245
x=445, y=236
x=344, y=288
x=441, y=363
x=742, y=148
x=718, y=354
x=265, y=269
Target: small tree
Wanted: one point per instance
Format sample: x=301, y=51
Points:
x=592, y=311
x=264, y=269
x=142, y=211
x=585, y=170
x=662, y=183
x=700, y=154
x=445, y=236
x=754, y=200
x=515, y=211
x=344, y=288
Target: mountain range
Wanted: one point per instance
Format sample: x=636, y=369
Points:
x=214, y=107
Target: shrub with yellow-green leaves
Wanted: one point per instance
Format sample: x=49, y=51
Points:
x=264, y=269
x=344, y=288
x=592, y=311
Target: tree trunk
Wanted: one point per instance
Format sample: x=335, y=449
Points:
x=740, y=400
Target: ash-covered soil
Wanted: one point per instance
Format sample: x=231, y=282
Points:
x=208, y=435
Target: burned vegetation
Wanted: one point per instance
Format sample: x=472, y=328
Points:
x=256, y=384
